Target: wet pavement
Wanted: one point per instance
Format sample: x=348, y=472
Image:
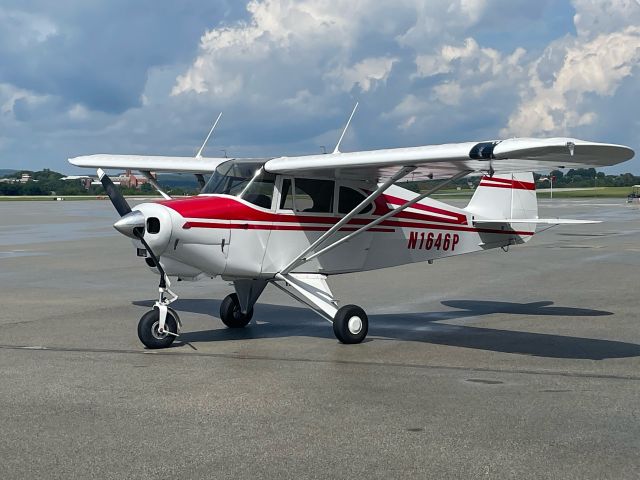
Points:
x=523, y=364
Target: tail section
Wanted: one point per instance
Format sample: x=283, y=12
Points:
x=505, y=198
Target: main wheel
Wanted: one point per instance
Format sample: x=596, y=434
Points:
x=350, y=325
x=230, y=312
x=149, y=325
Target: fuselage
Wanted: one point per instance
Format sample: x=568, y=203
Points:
x=219, y=234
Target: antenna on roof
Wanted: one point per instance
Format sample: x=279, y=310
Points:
x=199, y=154
x=337, y=149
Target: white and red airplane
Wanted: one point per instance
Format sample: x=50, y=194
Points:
x=293, y=221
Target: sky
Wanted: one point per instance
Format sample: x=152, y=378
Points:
x=151, y=76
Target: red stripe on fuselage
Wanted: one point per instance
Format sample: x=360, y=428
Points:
x=506, y=183
x=227, y=208
x=417, y=226
x=454, y=217
x=253, y=226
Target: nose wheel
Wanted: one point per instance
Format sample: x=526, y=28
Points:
x=152, y=334
x=350, y=324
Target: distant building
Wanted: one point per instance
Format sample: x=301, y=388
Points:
x=84, y=180
x=126, y=180
x=129, y=180
x=25, y=178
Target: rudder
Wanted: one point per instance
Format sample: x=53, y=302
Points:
x=511, y=195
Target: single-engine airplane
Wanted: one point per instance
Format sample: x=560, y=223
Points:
x=293, y=221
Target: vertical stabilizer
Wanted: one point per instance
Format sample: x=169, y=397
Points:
x=508, y=196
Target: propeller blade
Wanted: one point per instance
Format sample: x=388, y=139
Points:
x=114, y=194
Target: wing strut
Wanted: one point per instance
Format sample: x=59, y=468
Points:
x=311, y=290
x=151, y=179
x=302, y=259
x=299, y=260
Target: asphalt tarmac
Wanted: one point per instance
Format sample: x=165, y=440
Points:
x=523, y=364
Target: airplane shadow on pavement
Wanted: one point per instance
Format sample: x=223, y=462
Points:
x=278, y=321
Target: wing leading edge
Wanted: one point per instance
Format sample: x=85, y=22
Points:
x=201, y=165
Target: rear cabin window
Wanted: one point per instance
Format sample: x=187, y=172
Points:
x=348, y=199
x=314, y=195
x=307, y=195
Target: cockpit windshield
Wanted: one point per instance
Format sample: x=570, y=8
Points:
x=231, y=177
x=236, y=177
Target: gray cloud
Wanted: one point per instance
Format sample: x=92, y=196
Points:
x=98, y=53
x=150, y=77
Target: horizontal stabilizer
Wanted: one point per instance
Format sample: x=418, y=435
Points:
x=544, y=221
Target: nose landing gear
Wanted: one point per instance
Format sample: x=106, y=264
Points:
x=158, y=328
x=152, y=335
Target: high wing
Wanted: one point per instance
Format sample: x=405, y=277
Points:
x=199, y=165
x=439, y=161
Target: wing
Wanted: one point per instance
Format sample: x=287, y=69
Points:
x=149, y=163
x=438, y=161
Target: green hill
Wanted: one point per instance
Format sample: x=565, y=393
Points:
x=6, y=171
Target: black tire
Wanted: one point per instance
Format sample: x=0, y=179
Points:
x=231, y=315
x=148, y=329
x=351, y=324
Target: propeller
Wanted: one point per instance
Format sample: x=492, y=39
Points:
x=132, y=223
x=114, y=194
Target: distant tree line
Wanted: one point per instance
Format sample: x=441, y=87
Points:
x=588, y=177
x=48, y=182
x=574, y=178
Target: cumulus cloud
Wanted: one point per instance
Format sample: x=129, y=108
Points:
x=150, y=76
x=288, y=47
x=365, y=74
x=476, y=67
x=595, y=67
x=597, y=17
x=458, y=16
x=559, y=94
x=432, y=67
x=290, y=52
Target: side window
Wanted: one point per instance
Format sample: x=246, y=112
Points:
x=348, y=199
x=314, y=195
x=286, y=195
x=260, y=192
